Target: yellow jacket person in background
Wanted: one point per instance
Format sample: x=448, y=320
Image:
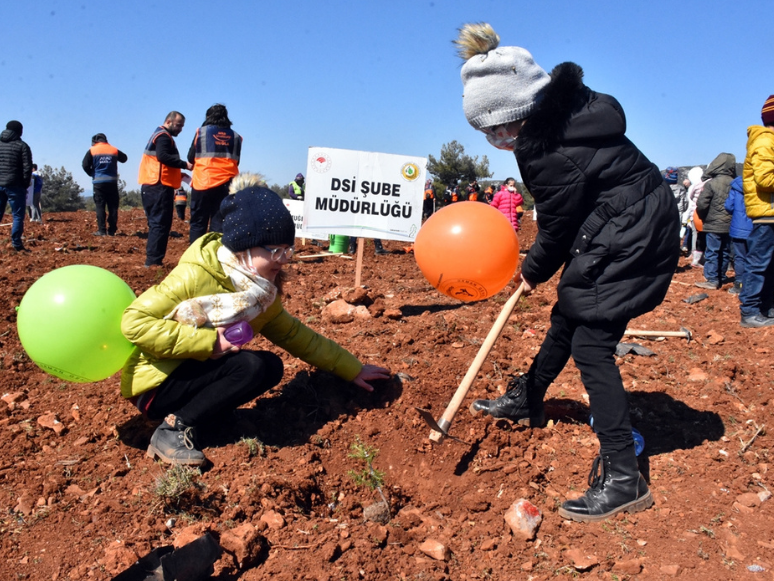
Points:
x=758, y=181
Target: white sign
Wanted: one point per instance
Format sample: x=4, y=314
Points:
x=363, y=193
x=296, y=208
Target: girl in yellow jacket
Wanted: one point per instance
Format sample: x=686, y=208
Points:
x=185, y=372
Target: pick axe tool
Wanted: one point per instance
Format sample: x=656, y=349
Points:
x=683, y=332
x=440, y=429
x=427, y=415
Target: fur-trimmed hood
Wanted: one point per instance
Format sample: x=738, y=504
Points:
x=567, y=111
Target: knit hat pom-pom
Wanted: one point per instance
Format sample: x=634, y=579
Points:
x=476, y=39
x=245, y=180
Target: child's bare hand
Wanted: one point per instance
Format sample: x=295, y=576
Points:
x=222, y=346
x=370, y=373
x=528, y=286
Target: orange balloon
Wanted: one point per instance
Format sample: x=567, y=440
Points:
x=697, y=222
x=467, y=250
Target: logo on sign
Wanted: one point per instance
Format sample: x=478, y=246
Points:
x=321, y=162
x=409, y=171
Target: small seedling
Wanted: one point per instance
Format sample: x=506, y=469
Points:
x=369, y=476
x=254, y=446
x=176, y=482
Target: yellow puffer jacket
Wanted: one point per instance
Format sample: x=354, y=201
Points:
x=161, y=345
x=758, y=173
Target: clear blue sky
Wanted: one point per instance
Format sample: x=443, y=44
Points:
x=368, y=75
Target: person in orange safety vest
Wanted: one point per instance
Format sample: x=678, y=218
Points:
x=159, y=177
x=101, y=163
x=215, y=153
x=428, y=204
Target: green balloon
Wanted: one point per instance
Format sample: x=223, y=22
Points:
x=69, y=323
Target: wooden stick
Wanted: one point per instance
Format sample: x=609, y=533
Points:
x=339, y=254
x=635, y=333
x=454, y=405
x=746, y=446
x=359, y=262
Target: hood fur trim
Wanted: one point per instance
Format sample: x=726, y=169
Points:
x=559, y=100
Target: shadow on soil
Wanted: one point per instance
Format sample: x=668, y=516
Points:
x=666, y=424
x=286, y=417
x=415, y=310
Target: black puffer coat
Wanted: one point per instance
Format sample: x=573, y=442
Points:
x=711, y=205
x=15, y=160
x=603, y=210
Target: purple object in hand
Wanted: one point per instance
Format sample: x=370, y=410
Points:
x=238, y=333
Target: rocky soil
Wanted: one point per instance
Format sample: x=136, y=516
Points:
x=286, y=496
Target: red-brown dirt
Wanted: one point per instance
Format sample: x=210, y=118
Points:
x=80, y=504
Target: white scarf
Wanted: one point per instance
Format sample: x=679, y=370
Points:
x=254, y=294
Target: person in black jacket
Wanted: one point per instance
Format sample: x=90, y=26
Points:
x=605, y=217
x=15, y=175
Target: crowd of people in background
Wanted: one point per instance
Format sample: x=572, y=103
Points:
x=727, y=220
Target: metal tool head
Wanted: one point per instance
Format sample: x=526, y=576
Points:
x=688, y=334
x=427, y=415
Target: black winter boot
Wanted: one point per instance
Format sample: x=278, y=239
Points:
x=616, y=486
x=379, y=248
x=514, y=404
x=175, y=443
x=352, y=246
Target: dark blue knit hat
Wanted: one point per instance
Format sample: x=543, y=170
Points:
x=255, y=216
x=670, y=175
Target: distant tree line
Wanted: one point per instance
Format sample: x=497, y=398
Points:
x=61, y=193
x=455, y=167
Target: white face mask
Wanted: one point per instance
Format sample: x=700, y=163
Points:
x=246, y=259
x=500, y=138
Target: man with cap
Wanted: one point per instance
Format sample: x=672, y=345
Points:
x=606, y=219
x=159, y=177
x=758, y=183
x=101, y=163
x=296, y=187
x=183, y=370
x=15, y=175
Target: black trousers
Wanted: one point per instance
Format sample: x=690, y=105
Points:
x=198, y=391
x=106, y=197
x=205, y=211
x=158, y=201
x=592, y=346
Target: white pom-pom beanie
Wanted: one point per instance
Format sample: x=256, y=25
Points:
x=501, y=86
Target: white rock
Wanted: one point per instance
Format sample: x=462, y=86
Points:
x=339, y=311
x=523, y=518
